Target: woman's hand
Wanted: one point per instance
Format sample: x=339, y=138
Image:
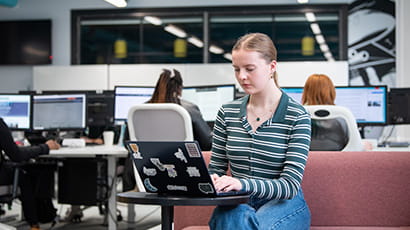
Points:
x=226, y=183
x=52, y=144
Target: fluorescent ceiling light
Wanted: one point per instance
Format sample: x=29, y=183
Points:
x=310, y=16
x=303, y=1
x=324, y=48
x=328, y=55
x=215, y=49
x=196, y=42
x=315, y=28
x=153, y=20
x=228, y=56
x=117, y=3
x=320, y=39
x=175, y=31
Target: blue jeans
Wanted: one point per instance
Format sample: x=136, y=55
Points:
x=260, y=214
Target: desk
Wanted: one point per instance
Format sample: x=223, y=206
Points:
x=392, y=149
x=168, y=202
x=111, y=153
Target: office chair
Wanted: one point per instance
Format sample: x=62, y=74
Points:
x=334, y=128
x=158, y=122
x=8, y=188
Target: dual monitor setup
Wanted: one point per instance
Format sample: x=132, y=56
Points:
x=76, y=110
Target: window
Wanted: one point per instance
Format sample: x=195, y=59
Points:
x=205, y=35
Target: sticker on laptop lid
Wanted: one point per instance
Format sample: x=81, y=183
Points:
x=157, y=163
x=171, y=170
x=133, y=148
x=193, y=150
x=193, y=172
x=177, y=187
x=205, y=188
x=180, y=155
x=149, y=186
x=149, y=171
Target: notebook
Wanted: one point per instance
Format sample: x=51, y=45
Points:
x=173, y=167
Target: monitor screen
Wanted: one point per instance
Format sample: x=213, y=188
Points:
x=367, y=103
x=399, y=106
x=100, y=108
x=15, y=109
x=59, y=112
x=127, y=96
x=209, y=98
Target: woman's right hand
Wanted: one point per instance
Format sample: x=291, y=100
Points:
x=52, y=144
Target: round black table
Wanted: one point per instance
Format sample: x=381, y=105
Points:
x=168, y=202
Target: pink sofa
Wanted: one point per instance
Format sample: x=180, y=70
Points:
x=344, y=191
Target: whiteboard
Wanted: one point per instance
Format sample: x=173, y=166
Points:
x=76, y=77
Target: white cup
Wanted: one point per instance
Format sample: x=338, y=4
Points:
x=108, y=137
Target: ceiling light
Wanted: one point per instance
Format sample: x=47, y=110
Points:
x=324, y=48
x=328, y=55
x=303, y=1
x=228, y=56
x=175, y=31
x=117, y=3
x=215, y=49
x=196, y=42
x=310, y=16
x=315, y=28
x=153, y=20
x=320, y=39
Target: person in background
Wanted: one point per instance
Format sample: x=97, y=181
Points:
x=168, y=90
x=31, y=185
x=263, y=138
x=320, y=90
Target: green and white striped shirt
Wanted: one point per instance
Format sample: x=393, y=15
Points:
x=269, y=162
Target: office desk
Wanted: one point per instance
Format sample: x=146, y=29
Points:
x=111, y=153
x=392, y=149
x=168, y=202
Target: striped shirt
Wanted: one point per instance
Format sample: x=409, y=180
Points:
x=269, y=162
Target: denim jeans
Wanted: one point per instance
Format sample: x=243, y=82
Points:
x=260, y=214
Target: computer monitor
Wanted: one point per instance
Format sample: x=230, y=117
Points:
x=367, y=103
x=127, y=96
x=209, y=98
x=100, y=108
x=399, y=106
x=15, y=109
x=59, y=112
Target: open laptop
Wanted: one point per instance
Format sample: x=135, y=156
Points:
x=173, y=167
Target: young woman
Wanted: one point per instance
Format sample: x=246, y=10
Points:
x=168, y=90
x=264, y=139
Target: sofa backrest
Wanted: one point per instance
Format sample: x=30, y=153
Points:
x=358, y=188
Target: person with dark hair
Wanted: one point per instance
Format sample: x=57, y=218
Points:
x=168, y=90
x=263, y=138
x=33, y=183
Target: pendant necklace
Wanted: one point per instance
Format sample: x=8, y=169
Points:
x=258, y=118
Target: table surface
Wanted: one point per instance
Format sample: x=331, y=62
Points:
x=173, y=200
x=118, y=151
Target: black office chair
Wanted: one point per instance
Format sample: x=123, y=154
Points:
x=9, y=176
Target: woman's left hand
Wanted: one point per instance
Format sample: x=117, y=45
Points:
x=227, y=183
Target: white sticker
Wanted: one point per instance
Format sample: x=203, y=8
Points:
x=180, y=155
x=205, y=188
x=157, y=163
x=149, y=186
x=193, y=150
x=149, y=171
x=171, y=170
x=135, y=151
x=193, y=172
x=177, y=187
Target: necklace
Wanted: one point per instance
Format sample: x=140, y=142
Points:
x=259, y=117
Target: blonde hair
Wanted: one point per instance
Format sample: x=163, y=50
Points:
x=260, y=43
x=318, y=90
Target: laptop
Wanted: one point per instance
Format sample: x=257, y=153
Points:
x=173, y=167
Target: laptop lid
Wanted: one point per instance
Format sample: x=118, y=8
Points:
x=171, y=167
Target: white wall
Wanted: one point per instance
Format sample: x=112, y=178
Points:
x=100, y=77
